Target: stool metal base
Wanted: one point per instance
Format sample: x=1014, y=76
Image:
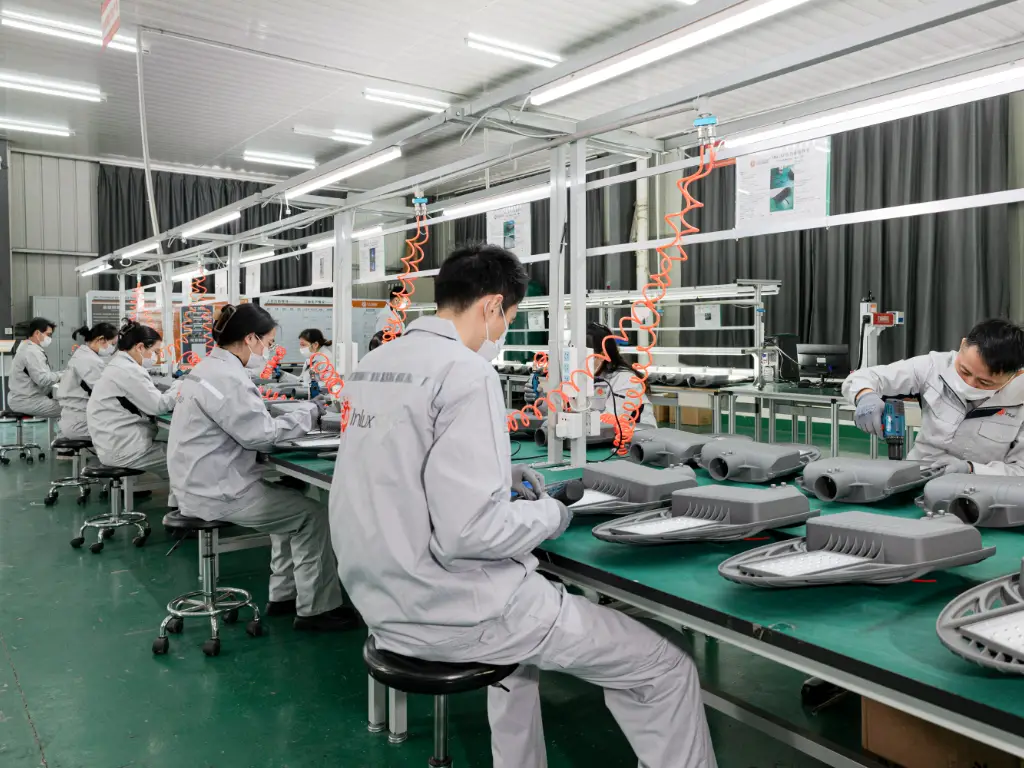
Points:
x=397, y=724
x=83, y=484
x=25, y=451
x=107, y=523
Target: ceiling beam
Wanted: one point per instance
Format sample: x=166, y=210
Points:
x=511, y=121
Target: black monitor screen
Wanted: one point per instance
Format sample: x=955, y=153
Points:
x=832, y=360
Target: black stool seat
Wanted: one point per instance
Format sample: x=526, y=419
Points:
x=434, y=678
x=102, y=472
x=72, y=444
x=7, y=414
x=174, y=519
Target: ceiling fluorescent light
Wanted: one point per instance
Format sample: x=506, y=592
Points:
x=511, y=50
x=621, y=65
x=63, y=29
x=344, y=137
x=46, y=130
x=259, y=253
x=329, y=241
x=886, y=109
x=138, y=251
x=50, y=87
x=501, y=201
x=206, y=226
x=362, y=234
x=185, y=275
x=96, y=270
x=269, y=158
x=326, y=179
x=405, y=100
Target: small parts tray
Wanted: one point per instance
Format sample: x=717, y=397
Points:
x=711, y=513
x=634, y=486
x=668, y=447
x=986, y=624
x=859, y=548
x=749, y=462
x=987, y=501
x=862, y=481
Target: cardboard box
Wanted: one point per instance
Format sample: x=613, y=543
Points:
x=688, y=416
x=909, y=742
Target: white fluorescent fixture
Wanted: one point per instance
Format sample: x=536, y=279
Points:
x=621, y=65
x=63, y=29
x=886, y=109
x=339, y=135
x=46, y=130
x=513, y=198
x=96, y=270
x=261, y=253
x=326, y=179
x=405, y=100
x=206, y=226
x=138, y=251
x=288, y=161
x=689, y=2
x=359, y=234
x=362, y=234
x=184, y=275
x=511, y=50
x=50, y=87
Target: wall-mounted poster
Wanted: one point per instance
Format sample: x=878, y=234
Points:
x=510, y=228
x=791, y=181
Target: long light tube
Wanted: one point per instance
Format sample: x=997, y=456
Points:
x=50, y=87
x=883, y=109
x=46, y=130
x=185, y=275
x=366, y=164
x=63, y=29
x=511, y=50
x=359, y=234
x=138, y=251
x=501, y=201
x=96, y=270
x=620, y=66
x=405, y=100
x=206, y=226
x=261, y=253
x=337, y=134
x=271, y=158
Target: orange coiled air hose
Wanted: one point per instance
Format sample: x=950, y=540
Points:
x=326, y=374
x=411, y=262
x=650, y=296
x=273, y=362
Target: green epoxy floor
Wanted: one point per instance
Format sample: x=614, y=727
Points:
x=80, y=688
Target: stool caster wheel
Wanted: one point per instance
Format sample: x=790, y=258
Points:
x=254, y=628
x=160, y=646
x=5, y=461
x=96, y=548
x=42, y=457
x=108, y=533
x=230, y=617
x=175, y=626
x=50, y=500
x=21, y=455
x=29, y=460
x=140, y=541
x=212, y=647
x=82, y=501
x=104, y=495
x=77, y=542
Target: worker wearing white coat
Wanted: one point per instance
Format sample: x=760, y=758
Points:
x=972, y=401
x=438, y=559
x=615, y=392
x=391, y=315
x=217, y=431
x=32, y=381
x=125, y=402
x=315, y=349
x=83, y=371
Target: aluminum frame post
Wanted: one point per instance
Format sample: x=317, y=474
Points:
x=167, y=314
x=234, y=273
x=120, y=298
x=556, y=285
x=342, y=317
x=578, y=283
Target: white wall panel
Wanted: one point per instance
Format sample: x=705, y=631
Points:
x=46, y=276
x=53, y=204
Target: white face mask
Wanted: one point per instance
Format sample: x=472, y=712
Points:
x=47, y=341
x=148, y=362
x=491, y=349
x=965, y=390
x=107, y=351
x=305, y=351
x=256, y=361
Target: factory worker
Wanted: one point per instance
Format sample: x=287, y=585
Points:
x=79, y=378
x=125, y=402
x=217, y=431
x=439, y=561
x=376, y=341
x=31, y=380
x=314, y=348
x=397, y=301
x=612, y=382
x=972, y=401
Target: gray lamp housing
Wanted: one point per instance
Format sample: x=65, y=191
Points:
x=862, y=481
x=748, y=462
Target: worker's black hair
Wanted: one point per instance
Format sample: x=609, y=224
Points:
x=40, y=324
x=315, y=336
x=133, y=333
x=474, y=271
x=1000, y=344
x=235, y=322
x=378, y=340
x=596, y=334
x=396, y=290
x=99, y=331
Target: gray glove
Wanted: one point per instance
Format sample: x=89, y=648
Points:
x=523, y=474
x=318, y=410
x=566, y=519
x=951, y=465
x=870, y=408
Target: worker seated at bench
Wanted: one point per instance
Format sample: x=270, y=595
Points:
x=218, y=429
x=972, y=401
x=439, y=561
x=31, y=380
x=315, y=349
x=125, y=402
x=84, y=369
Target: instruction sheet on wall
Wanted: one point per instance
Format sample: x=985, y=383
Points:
x=371, y=257
x=510, y=228
x=791, y=181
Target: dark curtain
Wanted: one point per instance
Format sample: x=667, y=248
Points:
x=123, y=217
x=945, y=271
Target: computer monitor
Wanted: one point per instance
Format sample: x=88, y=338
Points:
x=826, y=360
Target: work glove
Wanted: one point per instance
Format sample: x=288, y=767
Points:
x=868, y=417
x=563, y=525
x=522, y=474
x=951, y=465
x=319, y=409
x=532, y=390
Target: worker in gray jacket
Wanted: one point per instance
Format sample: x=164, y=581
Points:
x=217, y=432
x=83, y=372
x=439, y=560
x=972, y=401
x=31, y=380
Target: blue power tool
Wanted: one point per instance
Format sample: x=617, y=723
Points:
x=894, y=428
